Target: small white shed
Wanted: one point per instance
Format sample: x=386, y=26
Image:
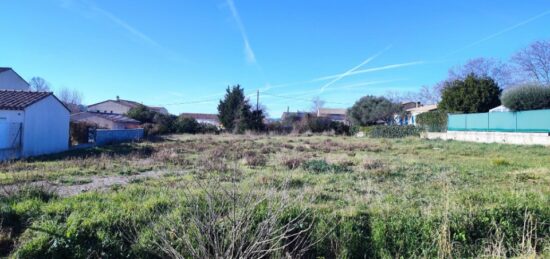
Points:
x=32, y=124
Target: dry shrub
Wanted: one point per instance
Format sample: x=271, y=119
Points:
x=301, y=148
x=373, y=164
x=253, y=159
x=292, y=162
x=288, y=146
x=346, y=163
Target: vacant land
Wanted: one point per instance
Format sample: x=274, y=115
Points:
x=317, y=196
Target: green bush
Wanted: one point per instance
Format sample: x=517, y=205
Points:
x=470, y=95
x=434, y=121
x=187, y=125
x=527, y=97
x=369, y=110
x=394, y=131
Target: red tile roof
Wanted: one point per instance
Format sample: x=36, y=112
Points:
x=108, y=116
x=19, y=100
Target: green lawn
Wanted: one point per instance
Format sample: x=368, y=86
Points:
x=361, y=197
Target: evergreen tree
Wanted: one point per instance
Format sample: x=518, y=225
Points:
x=471, y=95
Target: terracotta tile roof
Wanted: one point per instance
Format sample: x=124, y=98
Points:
x=108, y=116
x=19, y=100
x=331, y=111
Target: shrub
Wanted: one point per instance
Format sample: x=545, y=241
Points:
x=471, y=95
x=187, y=125
x=371, y=109
x=372, y=164
x=292, y=162
x=394, y=131
x=527, y=97
x=253, y=159
x=434, y=121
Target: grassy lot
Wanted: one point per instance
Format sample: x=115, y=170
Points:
x=342, y=196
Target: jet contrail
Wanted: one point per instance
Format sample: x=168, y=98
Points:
x=249, y=53
x=513, y=27
x=345, y=74
x=370, y=70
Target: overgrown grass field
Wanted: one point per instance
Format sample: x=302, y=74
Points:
x=343, y=197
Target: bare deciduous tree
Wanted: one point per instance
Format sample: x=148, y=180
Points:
x=497, y=70
x=425, y=95
x=39, y=84
x=72, y=98
x=316, y=104
x=534, y=61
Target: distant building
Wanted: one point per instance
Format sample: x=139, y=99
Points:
x=32, y=124
x=120, y=106
x=413, y=109
x=10, y=80
x=410, y=105
x=106, y=120
x=211, y=119
x=339, y=115
x=500, y=108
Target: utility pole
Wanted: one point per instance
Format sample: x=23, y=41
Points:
x=257, y=99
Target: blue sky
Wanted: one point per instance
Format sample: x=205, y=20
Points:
x=182, y=54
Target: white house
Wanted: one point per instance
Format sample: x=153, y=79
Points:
x=32, y=124
x=9, y=79
x=120, y=106
x=412, y=112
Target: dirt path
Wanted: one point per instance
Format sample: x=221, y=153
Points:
x=98, y=183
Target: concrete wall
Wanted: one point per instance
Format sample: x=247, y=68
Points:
x=109, y=107
x=492, y=137
x=104, y=137
x=45, y=128
x=11, y=80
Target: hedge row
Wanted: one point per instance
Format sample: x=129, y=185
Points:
x=393, y=131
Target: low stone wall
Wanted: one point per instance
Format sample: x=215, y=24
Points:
x=492, y=137
x=105, y=137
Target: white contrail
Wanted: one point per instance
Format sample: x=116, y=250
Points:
x=336, y=88
x=126, y=26
x=249, y=53
x=345, y=74
x=513, y=27
x=370, y=70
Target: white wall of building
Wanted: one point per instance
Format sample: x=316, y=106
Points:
x=10, y=133
x=45, y=128
x=109, y=107
x=10, y=80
